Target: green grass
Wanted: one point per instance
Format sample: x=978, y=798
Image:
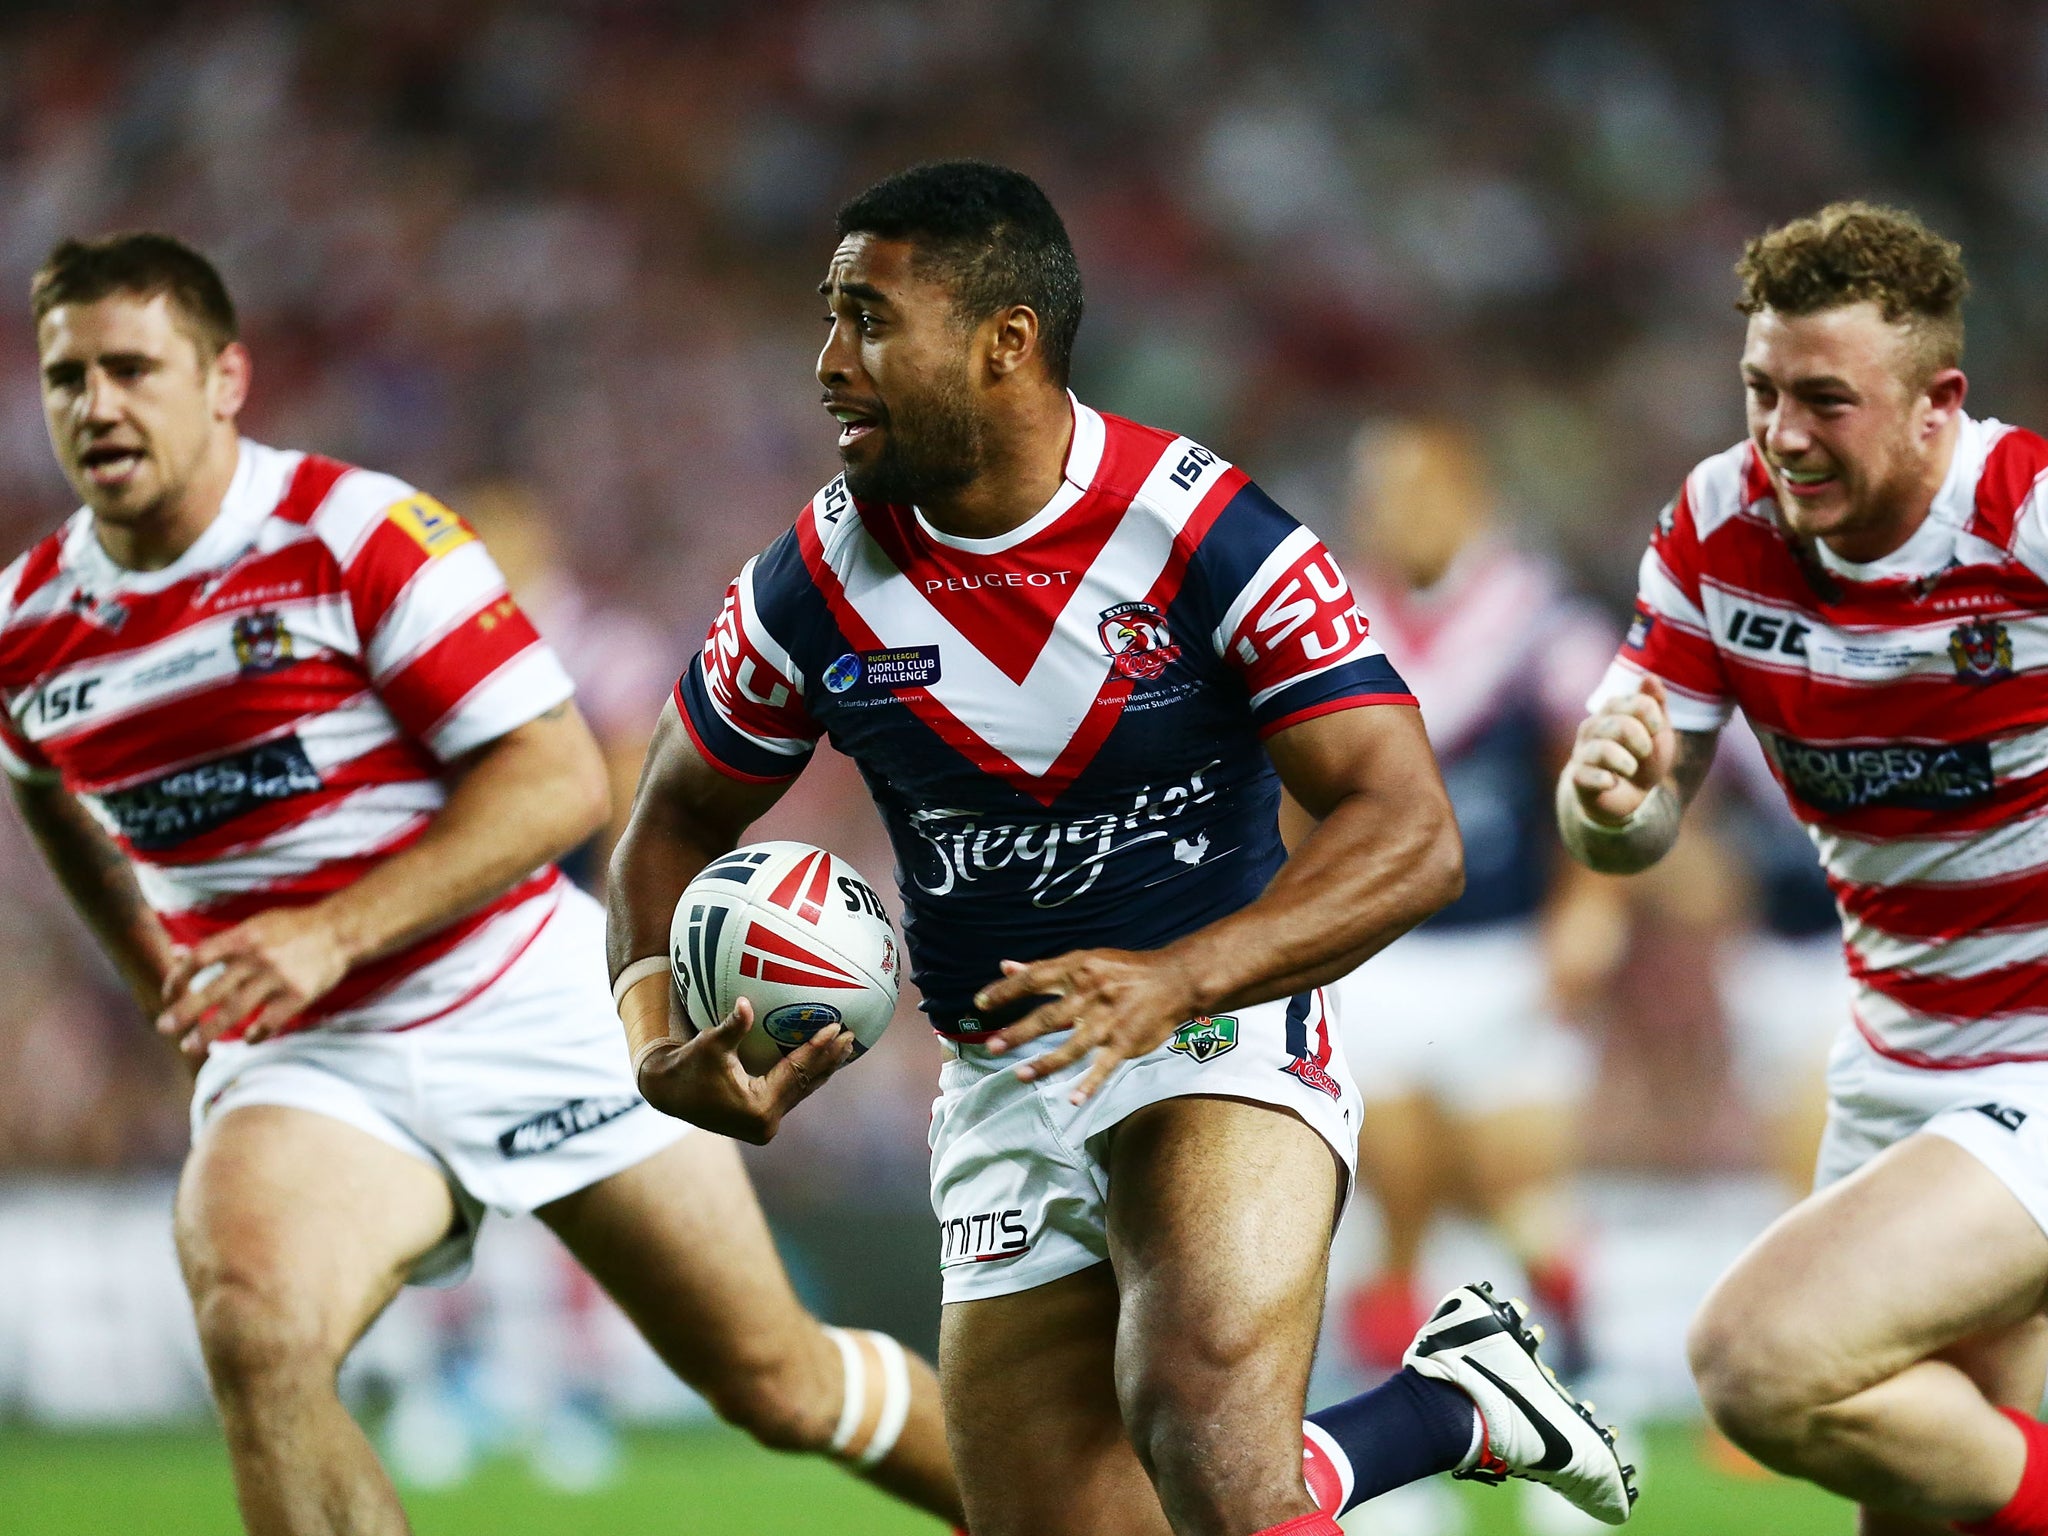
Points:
x=713, y=1483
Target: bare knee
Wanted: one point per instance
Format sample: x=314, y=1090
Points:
x=255, y=1340
x=1757, y=1385
x=786, y=1403
x=1172, y=1400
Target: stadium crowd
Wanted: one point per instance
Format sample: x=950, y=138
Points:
x=571, y=246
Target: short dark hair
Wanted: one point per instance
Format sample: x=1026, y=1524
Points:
x=145, y=264
x=1852, y=253
x=993, y=234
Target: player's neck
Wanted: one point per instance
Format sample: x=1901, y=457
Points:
x=1906, y=509
x=1025, y=459
x=166, y=531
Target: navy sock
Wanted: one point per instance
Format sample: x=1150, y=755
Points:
x=1407, y=1428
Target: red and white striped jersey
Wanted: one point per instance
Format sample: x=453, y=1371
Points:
x=260, y=721
x=1903, y=705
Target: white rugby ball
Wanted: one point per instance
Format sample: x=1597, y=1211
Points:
x=797, y=932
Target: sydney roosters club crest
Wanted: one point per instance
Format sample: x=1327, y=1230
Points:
x=1137, y=640
x=1981, y=650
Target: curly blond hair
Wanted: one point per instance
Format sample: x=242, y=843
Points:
x=1852, y=253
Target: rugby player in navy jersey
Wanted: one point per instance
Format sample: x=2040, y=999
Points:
x=1075, y=659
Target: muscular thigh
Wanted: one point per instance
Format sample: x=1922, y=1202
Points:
x=1037, y=1438
x=293, y=1219
x=679, y=1241
x=1923, y=1252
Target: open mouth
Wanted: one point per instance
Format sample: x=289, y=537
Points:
x=855, y=421
x=110, y=463
x=1805, y=483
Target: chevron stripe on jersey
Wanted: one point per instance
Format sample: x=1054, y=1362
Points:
x=1903, y=706
x=1061, y=725
x=261, y=721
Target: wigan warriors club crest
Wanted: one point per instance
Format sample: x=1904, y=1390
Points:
x=1981, y=650
x=1137, y=640
x=262, y=643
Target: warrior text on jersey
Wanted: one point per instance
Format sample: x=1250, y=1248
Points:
x=263, y=719
x=1061, y=725
x=1903, y=705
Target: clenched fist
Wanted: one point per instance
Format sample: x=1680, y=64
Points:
x=1625, y=749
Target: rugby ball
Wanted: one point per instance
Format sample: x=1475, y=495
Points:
x=797, y=932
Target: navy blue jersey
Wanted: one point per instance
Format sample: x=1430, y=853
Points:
x=1501, y=658
x=1061, y=725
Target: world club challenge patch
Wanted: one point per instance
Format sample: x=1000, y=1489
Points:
x=1981, y=650
x=1139, y=644
x=872, y=673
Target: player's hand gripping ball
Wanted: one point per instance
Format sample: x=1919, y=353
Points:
x=799, y=934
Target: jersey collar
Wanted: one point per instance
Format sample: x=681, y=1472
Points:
x=1084, y=458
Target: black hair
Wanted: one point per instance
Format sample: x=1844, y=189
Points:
x=142, y=263
x=992, y=233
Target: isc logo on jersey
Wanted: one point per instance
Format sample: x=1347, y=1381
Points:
x=799, y=934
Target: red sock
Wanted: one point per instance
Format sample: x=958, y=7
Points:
x=1318, y=1524
x=2027, y=1513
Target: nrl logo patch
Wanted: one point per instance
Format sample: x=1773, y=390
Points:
x=1207, y=1037
x=1139, y=645
x=262, y=643
x=1981, y=650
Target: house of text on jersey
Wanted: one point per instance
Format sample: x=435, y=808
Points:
x=1061, y=725
x=1903, y=705
x=261, y=721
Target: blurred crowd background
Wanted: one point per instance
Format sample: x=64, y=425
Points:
x=555, y=263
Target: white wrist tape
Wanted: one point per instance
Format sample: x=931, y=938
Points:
x=634, y=974
x=860, y=1407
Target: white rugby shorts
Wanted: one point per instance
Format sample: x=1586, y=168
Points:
x=1998, y=1114
x=519, y=1097
x=1462, y=1017
x=1020, y=1177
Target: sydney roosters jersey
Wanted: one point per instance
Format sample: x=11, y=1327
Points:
x=259, y=722
x=1061, y=725
x=1903, y=705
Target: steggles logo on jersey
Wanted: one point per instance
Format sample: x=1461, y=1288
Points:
x=262, y=643
x=1206, y=1038
x=1053, y=862
x=1137, y=640
x=1981, y=650
x=1639, y=629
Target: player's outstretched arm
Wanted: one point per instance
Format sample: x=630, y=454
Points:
x=97, y=878
x=685, y=814
x=1629, y=780
x=1384, y=855
x=513, y=804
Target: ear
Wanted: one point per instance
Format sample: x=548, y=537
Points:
x=229, y=386
x=1944, y=394
x=1012, y=340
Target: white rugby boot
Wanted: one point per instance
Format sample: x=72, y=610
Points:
x=1530, y=1425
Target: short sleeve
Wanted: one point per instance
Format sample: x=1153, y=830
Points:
x=1668, y=637
x=742, y=697
x=20, y=758
x=1287, y=623
x=449, y=652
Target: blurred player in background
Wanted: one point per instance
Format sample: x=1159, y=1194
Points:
x=1471, y=1077
x=1105, y=651
x=302, y=763
x=1866, y=578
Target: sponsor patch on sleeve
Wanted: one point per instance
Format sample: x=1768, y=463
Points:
x=429, y=524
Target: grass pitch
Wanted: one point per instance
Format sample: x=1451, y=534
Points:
x=714, y=1483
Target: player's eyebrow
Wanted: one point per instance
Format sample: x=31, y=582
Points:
x=1814, y=381
x=866, y=292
